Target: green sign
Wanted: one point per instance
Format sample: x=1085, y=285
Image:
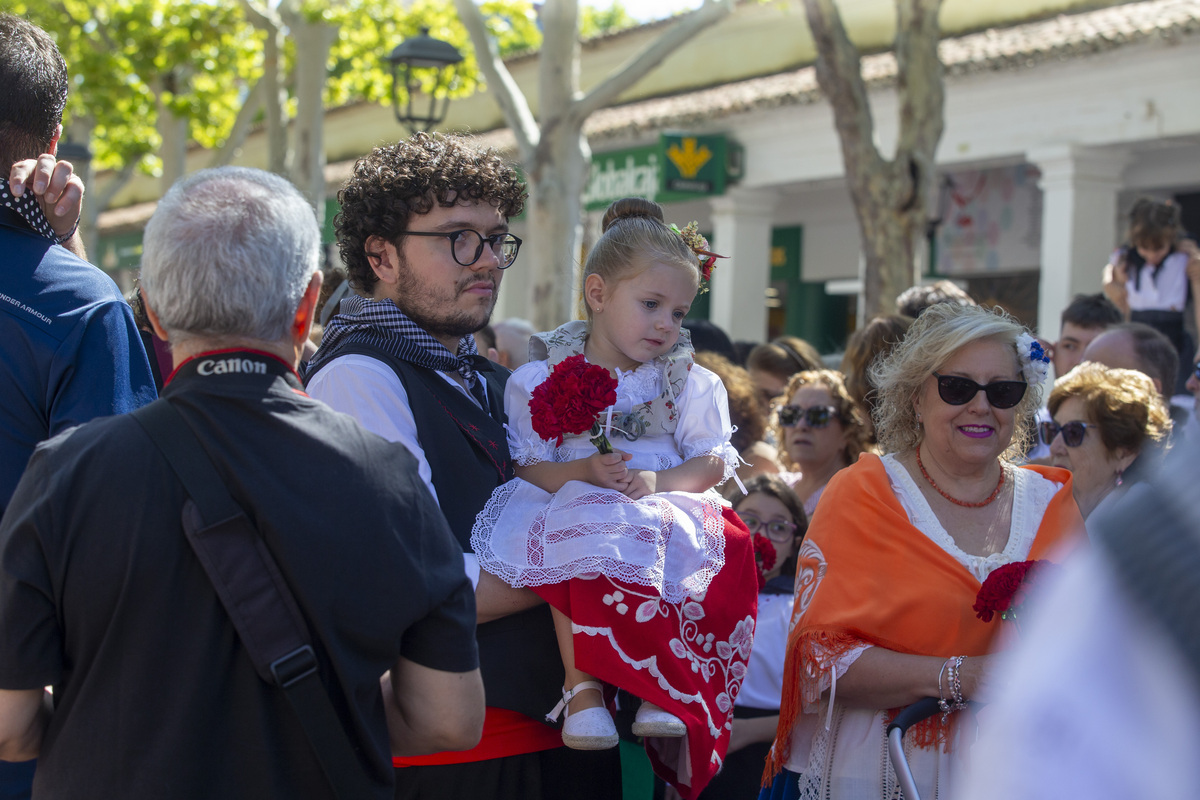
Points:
x=679, y=167
x=694, y=164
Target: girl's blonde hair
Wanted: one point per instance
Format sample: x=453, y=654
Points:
x=940, y=332
x=634, y=233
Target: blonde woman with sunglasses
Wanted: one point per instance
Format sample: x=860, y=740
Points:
x=896, y=553
x=820, y=430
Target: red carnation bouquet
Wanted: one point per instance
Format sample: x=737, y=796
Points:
x=764, y=558
x=1007, y=588
x=571, y=400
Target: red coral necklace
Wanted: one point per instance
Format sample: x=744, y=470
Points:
x=955, y=500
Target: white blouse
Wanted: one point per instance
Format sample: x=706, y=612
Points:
x=703, y=428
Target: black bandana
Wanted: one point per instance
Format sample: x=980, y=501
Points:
x=27, y=206
x=418, y=346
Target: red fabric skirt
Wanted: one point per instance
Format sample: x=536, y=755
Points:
x=689, y=657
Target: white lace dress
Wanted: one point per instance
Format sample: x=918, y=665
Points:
x=841, y=752
x=671, y=542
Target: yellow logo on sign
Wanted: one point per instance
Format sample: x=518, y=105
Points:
x=689, y=159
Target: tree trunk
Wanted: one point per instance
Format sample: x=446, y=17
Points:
x=173, y=151
x=890, y=196
x=556, y=183
x=274, y=85
x=308, y=173
x=890, y=240
x=554, y=150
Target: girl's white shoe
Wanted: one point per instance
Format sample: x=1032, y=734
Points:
x=651, y=720
x=590, y=729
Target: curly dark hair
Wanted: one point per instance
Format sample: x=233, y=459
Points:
x=394, y=182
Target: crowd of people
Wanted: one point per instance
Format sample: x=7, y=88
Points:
x=274, y=530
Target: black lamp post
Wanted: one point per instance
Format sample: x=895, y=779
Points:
x=418, y=53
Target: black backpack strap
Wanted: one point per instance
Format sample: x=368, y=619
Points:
x=256, y=596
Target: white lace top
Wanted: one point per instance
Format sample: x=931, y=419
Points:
x=703, y=429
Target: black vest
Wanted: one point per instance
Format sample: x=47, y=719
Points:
x=468, y=456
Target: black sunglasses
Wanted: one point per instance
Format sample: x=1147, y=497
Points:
x=1072, y=432
x=958, y=391
x=815, y=416
x=467, y=245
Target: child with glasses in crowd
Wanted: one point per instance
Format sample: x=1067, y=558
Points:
x=820, y=430
x=649, y=573
x=771, y=510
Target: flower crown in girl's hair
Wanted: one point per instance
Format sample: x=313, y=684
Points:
x=1035, y=364
x=699, y=245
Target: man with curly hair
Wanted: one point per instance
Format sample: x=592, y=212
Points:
x=423, y=232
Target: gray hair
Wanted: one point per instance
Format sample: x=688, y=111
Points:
x=229, y=254
x=940, y=332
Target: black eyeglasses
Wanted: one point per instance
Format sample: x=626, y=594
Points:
x=777, y=530
x=467, y=245
x=815, y=416
x=1072, y=432
x=1196, y=371
x=958, y=391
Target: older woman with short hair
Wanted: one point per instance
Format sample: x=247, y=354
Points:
x=1107, y=426
x=898, y=548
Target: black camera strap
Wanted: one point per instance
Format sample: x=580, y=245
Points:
x=256, y=597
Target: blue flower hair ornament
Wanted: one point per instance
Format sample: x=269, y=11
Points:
x=1035, y=362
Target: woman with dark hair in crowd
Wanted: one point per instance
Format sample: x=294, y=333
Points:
x=748, y=415
x=772, y=364
x=1153, y=278
x=866, y=344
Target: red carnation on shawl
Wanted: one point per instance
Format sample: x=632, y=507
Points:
x=1006, y=589
x=570, y=401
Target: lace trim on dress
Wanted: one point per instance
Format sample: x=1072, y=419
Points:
x=528, y=452
x=715, y=446
x=639, y=384
x=672, y=583
x=1032, y=494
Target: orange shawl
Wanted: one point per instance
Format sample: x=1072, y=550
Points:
x=866, y=574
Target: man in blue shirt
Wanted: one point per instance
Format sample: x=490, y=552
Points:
x=69, y=349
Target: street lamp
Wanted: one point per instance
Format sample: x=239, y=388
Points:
x=419, y=53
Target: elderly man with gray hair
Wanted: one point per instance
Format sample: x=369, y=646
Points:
x=111, y=564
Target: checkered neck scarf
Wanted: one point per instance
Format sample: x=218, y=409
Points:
x=27, y=206
x=417, y=346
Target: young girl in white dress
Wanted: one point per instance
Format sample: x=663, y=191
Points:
x=650, y=576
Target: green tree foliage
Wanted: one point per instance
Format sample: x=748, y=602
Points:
x=198, y=58
x=129, y=58
x=597, y=21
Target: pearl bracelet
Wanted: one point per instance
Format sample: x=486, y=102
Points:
x=952, y=667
